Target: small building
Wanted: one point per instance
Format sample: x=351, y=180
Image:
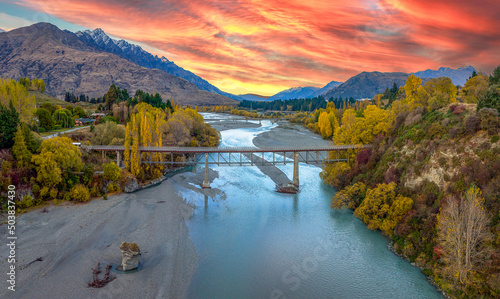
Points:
x=97, y=115
x=84, y=122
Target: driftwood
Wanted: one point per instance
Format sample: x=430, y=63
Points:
x=99, y=283
x=40, y=259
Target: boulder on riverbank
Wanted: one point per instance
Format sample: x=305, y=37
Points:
x=130, y=184
x=131, y=255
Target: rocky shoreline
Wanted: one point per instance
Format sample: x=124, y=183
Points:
x=431, y=280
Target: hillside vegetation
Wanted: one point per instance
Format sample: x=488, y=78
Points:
x=431, y=181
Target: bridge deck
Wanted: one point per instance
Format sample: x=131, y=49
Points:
x=195, y=150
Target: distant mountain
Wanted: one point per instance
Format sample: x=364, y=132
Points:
x=66, y=63
x=1, y=30
x=325, y=89
x=99, y=39
x=253, y=97
x=366, y=85
x=294, y=93
x=458, y=76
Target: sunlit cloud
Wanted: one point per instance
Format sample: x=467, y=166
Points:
x=263, y=46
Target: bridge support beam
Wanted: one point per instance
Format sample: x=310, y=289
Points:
x=296, y=168
x=206, y=183
x=118, y=158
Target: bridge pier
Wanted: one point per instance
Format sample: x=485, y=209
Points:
x=296, y=168
x=206, y=183
x=118, y=158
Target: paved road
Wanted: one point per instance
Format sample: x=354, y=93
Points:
x=55, y=135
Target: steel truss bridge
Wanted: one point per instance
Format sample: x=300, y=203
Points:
x=238, y=156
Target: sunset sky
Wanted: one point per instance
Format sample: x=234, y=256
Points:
x=265, y=46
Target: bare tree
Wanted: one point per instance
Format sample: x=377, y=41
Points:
x=179, y=131
x=463, y=231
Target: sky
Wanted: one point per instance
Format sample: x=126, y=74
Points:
x=265, y=46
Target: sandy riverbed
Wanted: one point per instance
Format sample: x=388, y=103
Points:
x=72, y=238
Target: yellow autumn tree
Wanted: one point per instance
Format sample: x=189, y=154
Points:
x=48, y=172
x=374, y=122
x=24, y=103
x=474, y=88
x=325, y=126
x=128, y=141
x=135, y=162
x=411, y=87
x=349, y=197
x=64, y=153
x=145, y=128
x=439, y=92
x=382, y=209
x=345, y=133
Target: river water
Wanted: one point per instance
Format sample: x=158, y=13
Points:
x=257, y=243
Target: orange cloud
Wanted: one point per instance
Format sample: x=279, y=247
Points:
x=263, y=46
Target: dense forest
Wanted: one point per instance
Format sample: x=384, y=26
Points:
x=309, y=105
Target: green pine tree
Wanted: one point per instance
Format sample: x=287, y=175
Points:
x=9, y=120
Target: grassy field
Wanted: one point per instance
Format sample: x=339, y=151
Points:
x=42, y=98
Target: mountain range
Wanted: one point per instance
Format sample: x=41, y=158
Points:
x=458, y=76
x=366, y=85
x=253, y=97
x=99, y=39
x=67, y=62
x=294, y=93
x=369, y=84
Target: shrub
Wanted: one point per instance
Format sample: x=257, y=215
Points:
x=80, y=193
x=95, y=191
x=88, y=173
x=494, y=138
x=28, y=201
x=53, y=193
x=442, y=161
x=435, y=130
x=111, y=171
x=363, y=156
x=392, y=175
x=459, y=110
x=350, y=197
x=471, y=124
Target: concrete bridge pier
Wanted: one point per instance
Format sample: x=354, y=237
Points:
x=296, y=168
x=118, y=158
x=206, y=183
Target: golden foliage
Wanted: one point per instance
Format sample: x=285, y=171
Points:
x=382, y=209
x=24, y=103
x=349, y=197
x=474, y=88
x=80, y=193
